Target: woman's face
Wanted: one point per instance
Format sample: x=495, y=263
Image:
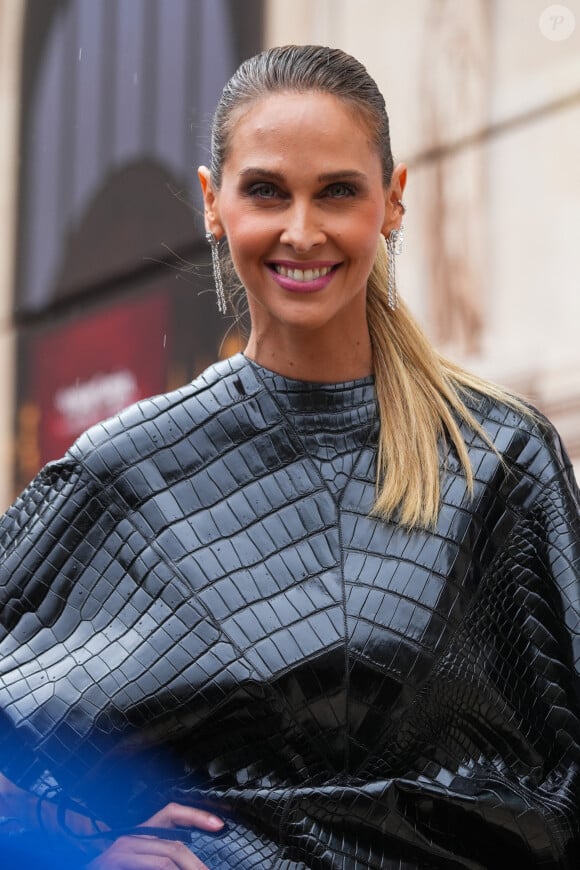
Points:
x=303, y=205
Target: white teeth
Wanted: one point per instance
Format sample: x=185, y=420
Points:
x=302, y=274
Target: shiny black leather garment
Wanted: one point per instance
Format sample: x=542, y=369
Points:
x=196, y=606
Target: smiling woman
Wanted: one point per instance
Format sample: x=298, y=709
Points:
x=320, y=608
x=303, y=207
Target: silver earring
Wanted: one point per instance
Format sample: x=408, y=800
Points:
x=394, y=249
x=217, y=273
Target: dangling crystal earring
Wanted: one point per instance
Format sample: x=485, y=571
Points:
x=394, y=249
x=217, y=273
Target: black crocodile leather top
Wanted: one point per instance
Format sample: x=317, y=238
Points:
x=196, y=606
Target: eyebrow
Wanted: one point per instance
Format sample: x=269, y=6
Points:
x=340, y=175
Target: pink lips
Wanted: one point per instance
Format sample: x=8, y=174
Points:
x=303, y=286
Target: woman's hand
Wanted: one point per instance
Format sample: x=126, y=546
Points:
x=154, y=853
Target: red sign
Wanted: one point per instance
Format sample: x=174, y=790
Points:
x=84, y=371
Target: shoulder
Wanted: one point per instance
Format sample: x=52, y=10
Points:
x=525, y=442
x=211, y=402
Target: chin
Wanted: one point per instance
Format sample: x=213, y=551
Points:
x=307, y=322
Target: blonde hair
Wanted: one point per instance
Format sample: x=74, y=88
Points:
x=420, y=398
x=420, y=393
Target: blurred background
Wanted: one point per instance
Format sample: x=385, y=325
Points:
x=105, y=279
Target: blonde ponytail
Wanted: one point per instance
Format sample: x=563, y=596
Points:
x=420, y=402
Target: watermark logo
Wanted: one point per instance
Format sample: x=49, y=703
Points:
x=557, y=23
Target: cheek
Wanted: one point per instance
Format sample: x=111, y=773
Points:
x=249, y=239
x=243, y=245
x=246, y=255
x=366, y=230
x=364, y=244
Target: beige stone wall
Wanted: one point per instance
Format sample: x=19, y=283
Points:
x=10, y=26
x=485, y=109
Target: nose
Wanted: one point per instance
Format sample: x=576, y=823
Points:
x=302, y=230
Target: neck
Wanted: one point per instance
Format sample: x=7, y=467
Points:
x=314, y=356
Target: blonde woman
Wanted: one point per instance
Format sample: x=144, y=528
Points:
x=318, y=609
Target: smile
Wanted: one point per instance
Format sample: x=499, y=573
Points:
x=303, y=275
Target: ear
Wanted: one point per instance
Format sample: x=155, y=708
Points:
x=393, y=197
x=210, y=202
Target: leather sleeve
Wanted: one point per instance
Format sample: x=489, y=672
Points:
x=41, y=539
x=502, y=706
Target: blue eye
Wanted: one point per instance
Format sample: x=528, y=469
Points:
x=263, y=190
x=340, y=189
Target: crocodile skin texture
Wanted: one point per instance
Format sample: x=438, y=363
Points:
x=197, y=606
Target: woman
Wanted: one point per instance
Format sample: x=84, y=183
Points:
x=319, y=608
